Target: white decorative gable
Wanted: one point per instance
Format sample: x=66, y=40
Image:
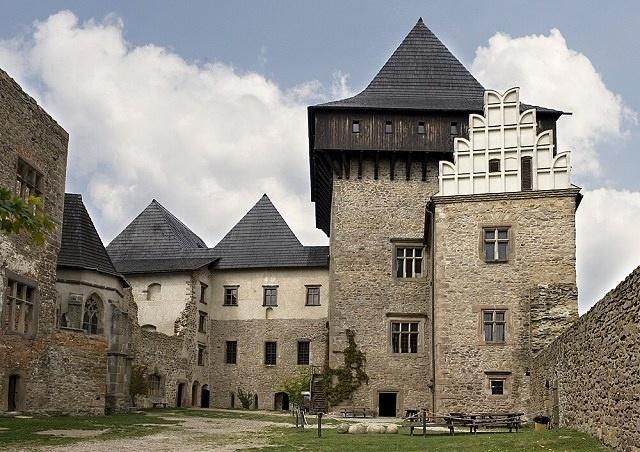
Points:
x=520, y=159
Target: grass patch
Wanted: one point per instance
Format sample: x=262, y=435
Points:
x=559, y=440
x=23, y=432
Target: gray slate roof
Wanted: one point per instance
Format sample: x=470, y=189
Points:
x=421, y=74
x=157, y=241
x=81, y=245
x=262, y=238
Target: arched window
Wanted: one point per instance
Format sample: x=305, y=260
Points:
x=153, y=292
x=155, y=385
x=92, y=317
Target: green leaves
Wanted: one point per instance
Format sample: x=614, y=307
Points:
x=18, y=216
x=295, y=385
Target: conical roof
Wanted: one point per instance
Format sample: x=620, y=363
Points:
x=81, y=245
x=262, y=238
x=157, y=241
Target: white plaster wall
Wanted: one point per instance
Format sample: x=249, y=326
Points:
x=163, y=312
x=291, y=293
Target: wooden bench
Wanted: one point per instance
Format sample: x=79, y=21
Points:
x=423, y=420
x=354, y=412
x=488, y=420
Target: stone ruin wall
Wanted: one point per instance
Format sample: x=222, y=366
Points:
x=589, y=378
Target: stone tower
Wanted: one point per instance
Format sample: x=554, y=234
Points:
x=381, y=165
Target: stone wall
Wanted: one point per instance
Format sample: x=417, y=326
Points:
x=588, y=379
x=250, y=373
x=535, y=288
x=367, y=215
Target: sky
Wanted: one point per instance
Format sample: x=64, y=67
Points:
x=203, y=106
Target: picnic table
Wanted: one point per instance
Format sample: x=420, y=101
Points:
x=354, y=412
x=471, y=421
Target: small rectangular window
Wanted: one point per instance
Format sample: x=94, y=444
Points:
x=494, y=165
x=202, y=322
x=355, y=126
x=20, y=305
x=303, y=353
x=454, y=128
x=203, y=293
x=421, y=127
x=404, y=337
x=388, y=127
x=29, y=181
x=313, y=296
x=270, y=353
x=231, y=296
x=497, y=386
x=493, y=324
x=496, y=244
x=270, y=296
x=526, y=173
x=202, y=355
x=409, y=261
x=231, y=352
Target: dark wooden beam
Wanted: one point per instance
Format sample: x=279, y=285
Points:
x=376, y=165
x=408, y=168
x=392, y=168
x=346, y=164
x=424, y=166
x=360, y=165
x=335, y=167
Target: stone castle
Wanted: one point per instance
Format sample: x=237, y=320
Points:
x=451, y=267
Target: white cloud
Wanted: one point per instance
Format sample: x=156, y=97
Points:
x=551, y=74
x=205, y=140
x=608, y=241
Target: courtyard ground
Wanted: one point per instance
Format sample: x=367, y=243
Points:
x=231, y=430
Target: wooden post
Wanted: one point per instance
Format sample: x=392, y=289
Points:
x=319, y=425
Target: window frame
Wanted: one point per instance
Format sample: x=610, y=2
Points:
x=8, y=305
x=225, y=296
x=266, y=297
x=409, y=245
x=409, y=332
x=454, y=128
x=388, y=127
x=35, y=187
x=355, y=126
x=503, y=385
x=496, y=241
x=202, y=358
x=308, y=294
x=203, y=292
x=270, y=355
x=494, y=322
x=302, y=353
x=422, y=124
x=228, y=353
x=203, y=318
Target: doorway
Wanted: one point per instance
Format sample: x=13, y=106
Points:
x=194, y=393
x=387, y=404
x=204, y=397
x=281, y=401
x=180, y=395
x=12, y=404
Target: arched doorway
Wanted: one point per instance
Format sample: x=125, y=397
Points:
x=204, y=397
x=194, y=393
x=180, y=395
x=12, y=393
x=281, y=401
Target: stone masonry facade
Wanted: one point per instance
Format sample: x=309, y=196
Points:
x=588, y=378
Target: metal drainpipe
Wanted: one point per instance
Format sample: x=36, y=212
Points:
x=432, y=243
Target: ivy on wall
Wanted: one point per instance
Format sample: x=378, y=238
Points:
x=340, y=383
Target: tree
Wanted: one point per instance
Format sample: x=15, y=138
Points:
x=18, y=215
x=139, y=383
x=295, y=385
x=246, y=398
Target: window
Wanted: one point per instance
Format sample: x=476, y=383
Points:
x=313, y=296
x=355, y=126
x=303, y=353
x=20, y=304
x=92, y=317
x=494, y=165
x=454, y=128
x=202, y=355
x=203, y=293
x=270, y=353
x=409, y=261
x=29, y=182
x=497, y=386
x=202, y=322
x=388, y=127
x=421, y=127
x=404, y=337
x=270, y=296
x=153, y=292
x=231, y=296
x=231, y=352
x=526, y=174
x=496, y=244
x=155, y=389
x=493, y=324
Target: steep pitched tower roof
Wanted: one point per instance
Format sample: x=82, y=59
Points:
x=81, y=245
x=262, y=238
x=157, y=241
x=422, y=73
